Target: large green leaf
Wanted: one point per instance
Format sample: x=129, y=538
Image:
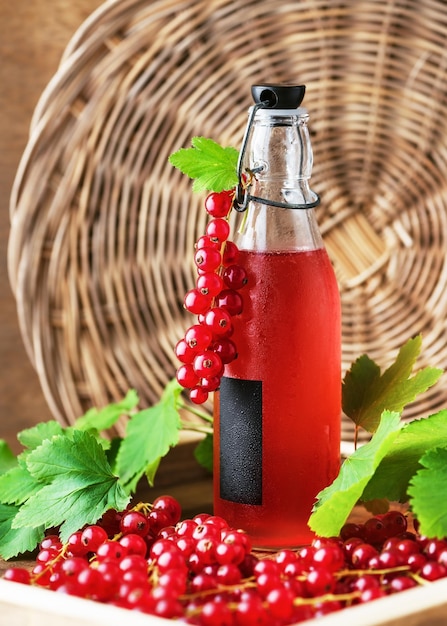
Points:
x=367, y=393
x=149, y=436
x=428, y=493
x=401, y=463
x=335, y=503
x=80, y=485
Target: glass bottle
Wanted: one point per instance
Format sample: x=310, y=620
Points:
x=278, y=411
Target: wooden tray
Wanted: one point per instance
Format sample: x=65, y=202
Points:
x=31, y=606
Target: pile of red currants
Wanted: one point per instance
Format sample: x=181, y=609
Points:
x=203, y=572
x=207, y=346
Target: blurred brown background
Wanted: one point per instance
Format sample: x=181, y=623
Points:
x=33, y=36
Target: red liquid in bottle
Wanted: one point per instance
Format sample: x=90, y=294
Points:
x=288, y=338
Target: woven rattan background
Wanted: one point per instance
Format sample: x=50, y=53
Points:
x=103, y=228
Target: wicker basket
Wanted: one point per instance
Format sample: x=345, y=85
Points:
x=103, y=228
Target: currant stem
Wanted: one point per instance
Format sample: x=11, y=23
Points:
x=327, y=597
x=375, y=572
x=197, y=428
x=204, y=416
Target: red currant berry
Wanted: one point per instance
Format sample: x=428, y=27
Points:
x=158, y=520
x=206, y=242
x=186, y=376
x=133, y=563
x=75, y=545
x=47, y=555
x=211, y=383
x=198, y=337
x=216, y=613
x=198, y=394
x=362, y=554
x=234, y=276
x=73, y=565
x=207, y=259
x=433, y=571
x=267, y=566
x=41, y=574
x=92, y=537
x=51, y=541
x=231, y=301
x=175, y=580
x=186, y=528
x=329, y=557
x=196, y=302
x=172, y=559
x=390, y=558
x=110, y=551
x=416, y=562
x=218, y=229
x=134, y=522
x=169, y=608
x=160, y=546
x=226, y=349
x=218, y=320
x=367, y=581
x=434, y=547
x=134, y=544
x=395, y=523
x=18, y=575
x=217, y=522
x=218, y=204
x=374, y=531
x=372, y=594
x=319, y=582
x=184, y=352
x=207, y=364
x=230, y=253
x=251, y=611
x=170, y=505
x=210, y=284
x=401, y=583
x=280, y=603
x=350, y=530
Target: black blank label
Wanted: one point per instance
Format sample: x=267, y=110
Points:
x=241, y=440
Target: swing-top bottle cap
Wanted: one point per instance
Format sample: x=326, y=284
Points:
x=273, y=96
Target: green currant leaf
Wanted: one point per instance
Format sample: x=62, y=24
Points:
x=150, y=471
x=105, y=418
x=8, y=460
x=335, y=503
x=428, y=493
x=17, y=485
x=15, y=541
x=112, y=453
x=31, y=438
x=80, y=485
x=212, y=167
x=399, y=465
x=366, y=393
x=149, y=436
x=203, y=453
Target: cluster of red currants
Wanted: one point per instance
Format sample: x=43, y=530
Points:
x=207, y=346
x=203, y=572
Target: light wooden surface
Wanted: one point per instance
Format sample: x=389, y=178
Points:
x=33, y=36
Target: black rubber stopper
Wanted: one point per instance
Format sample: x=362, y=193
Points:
x=278, y=96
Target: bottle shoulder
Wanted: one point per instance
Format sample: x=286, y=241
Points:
x=267, y=228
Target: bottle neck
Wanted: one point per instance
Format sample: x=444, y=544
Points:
x=264, y=228
x=279, y=153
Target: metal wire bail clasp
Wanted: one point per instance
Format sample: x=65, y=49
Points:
x=242, y=195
